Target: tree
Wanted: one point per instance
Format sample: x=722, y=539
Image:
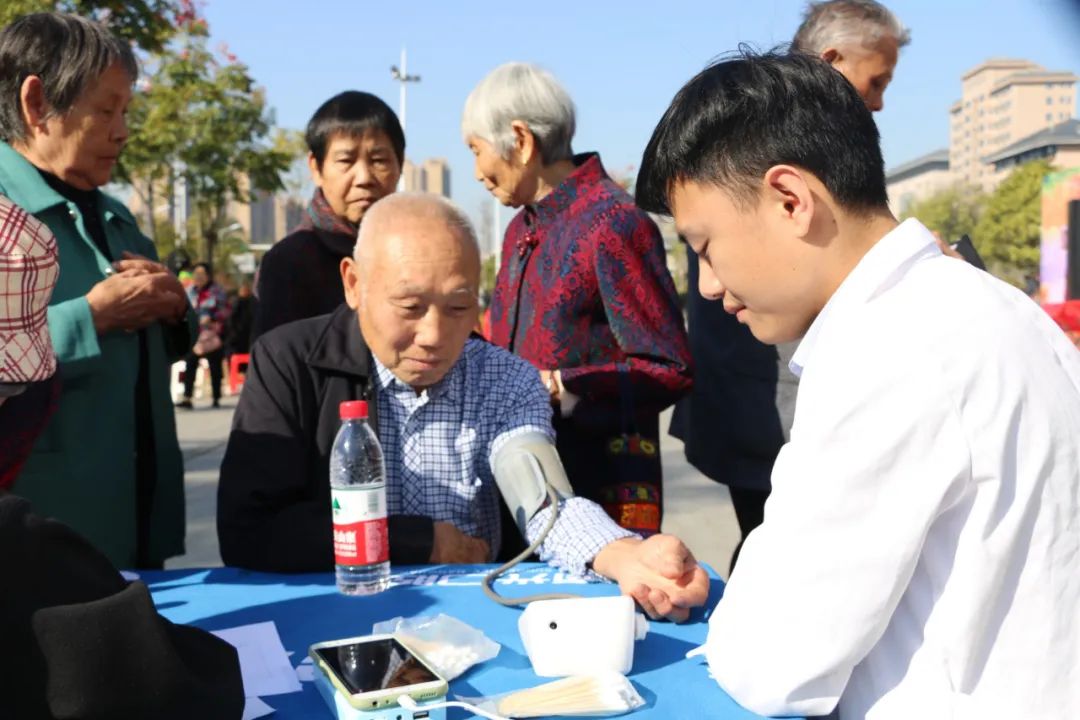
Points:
x=1007, y=235
x=199, y=117
x=952, y=212
x=147, y=24
x=488, y=271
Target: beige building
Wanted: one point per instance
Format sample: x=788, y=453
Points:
x=269, y=217
x=412, y=177
x=917, y=180
x=266, y=219
x=1003, y=101
x=432, y=176
x=437, y=176
x=1059, y=144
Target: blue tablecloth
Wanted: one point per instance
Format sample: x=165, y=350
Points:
x=308, y=609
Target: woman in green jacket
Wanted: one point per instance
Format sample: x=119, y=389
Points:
x=109, y=463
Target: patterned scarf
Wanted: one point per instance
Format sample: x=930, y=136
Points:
x=321, y=216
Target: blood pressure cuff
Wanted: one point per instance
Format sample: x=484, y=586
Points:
x=524, y=467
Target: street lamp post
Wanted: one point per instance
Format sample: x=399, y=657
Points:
x=404, y=78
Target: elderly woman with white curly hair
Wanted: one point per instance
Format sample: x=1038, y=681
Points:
x=583, y=293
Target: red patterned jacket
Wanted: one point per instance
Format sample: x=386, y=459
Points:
x=584, y=288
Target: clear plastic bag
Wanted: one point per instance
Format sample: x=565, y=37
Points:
x=449, y=645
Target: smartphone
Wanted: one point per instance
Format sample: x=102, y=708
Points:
x=967, y=250
x=373, y=671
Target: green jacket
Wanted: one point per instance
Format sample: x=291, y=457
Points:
x=82, y=470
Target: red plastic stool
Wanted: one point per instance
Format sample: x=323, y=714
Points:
x=236, y=375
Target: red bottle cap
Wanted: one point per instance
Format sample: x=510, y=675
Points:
x=353, y=410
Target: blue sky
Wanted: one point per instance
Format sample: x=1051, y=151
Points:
x=621, y=61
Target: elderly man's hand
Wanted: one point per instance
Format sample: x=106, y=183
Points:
x=451, y=546
x=660, y=573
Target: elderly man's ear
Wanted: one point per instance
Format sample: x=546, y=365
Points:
x=350, y=279
x=832, y=55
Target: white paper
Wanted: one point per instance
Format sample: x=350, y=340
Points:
x=305, y=673
x=255, y=708
x=265, y=667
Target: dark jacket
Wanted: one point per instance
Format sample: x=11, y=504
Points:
x=729, y=422
x=81, y=642
x=300, y=277
x=238, y=326
x=274, y=492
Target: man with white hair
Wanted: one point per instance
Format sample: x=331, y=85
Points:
x=860, y=38
x=445, y=407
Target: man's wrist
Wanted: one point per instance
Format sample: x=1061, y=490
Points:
x=614, y=556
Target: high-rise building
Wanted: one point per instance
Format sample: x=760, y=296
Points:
x=437, y=176
x=1009, y=112
x=1003, y=101
x=917, y=179
x=412, y=177
x=1059, y=144
x=432, y=176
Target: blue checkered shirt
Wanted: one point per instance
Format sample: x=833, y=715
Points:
x=438, y=446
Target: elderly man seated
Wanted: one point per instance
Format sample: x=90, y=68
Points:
x=444, y=407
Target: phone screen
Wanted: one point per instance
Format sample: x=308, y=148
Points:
x=375, y=665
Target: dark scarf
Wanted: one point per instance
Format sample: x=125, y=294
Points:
x=22, y=419
x=320, y=216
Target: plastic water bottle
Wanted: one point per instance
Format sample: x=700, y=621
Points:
x=358, y=505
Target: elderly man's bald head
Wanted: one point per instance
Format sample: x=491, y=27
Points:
x=413, y=281
x=407, y=222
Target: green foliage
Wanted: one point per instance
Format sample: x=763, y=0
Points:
x=147, y=24
x=1007, y=235
x=487, y=274
x=952, y=212
x=229, y=244
x=200, y=116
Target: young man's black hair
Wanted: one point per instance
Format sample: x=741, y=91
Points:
x=747, y=113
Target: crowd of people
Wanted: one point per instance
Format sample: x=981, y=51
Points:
x=910, y=525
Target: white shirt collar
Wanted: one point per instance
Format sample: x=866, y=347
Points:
x=877, y=268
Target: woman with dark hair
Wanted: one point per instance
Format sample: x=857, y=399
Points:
x=357, y=149
x=108, y=463
x=212, y=308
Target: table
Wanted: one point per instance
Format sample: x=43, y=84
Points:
x=308, y=609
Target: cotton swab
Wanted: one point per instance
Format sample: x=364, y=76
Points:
x=606, y=693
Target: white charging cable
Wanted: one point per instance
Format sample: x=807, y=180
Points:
x=409, y=704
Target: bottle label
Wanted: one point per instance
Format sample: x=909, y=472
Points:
x=360, y=530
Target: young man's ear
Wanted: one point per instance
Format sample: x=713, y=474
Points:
x=788, y=194
x=350, y=280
